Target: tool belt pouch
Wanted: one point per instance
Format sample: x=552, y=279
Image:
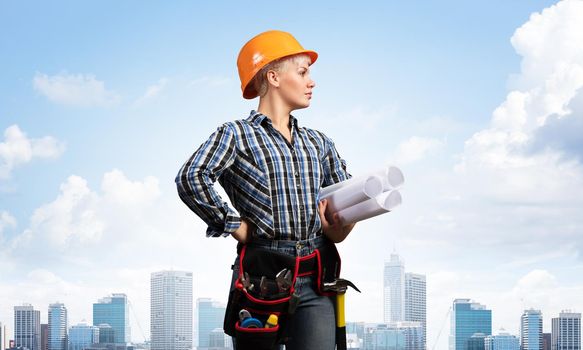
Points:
x=328, y=266
x=256, y=262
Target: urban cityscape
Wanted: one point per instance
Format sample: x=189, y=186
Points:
x=172, y=328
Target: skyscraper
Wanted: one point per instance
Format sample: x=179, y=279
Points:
x=27, y=327
x=404, y=295
x=210, y=316
x=502, y=341
x=546, y=341
x=394, y=290
x=416, y=300
x=468, y=318
x=82, y=336
x=106, y=334
x=171, y=310
x=57, y=327
x=566, y=331
x=44, y=336
x=114, y=310
x=476, y=342
x=531, y=330
x=2, y=336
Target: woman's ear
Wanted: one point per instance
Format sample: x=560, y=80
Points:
x=273, y=78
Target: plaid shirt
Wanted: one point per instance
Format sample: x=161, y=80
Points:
x=273, y=184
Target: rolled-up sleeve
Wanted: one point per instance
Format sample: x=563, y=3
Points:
x=334, y=167
x=196, y=178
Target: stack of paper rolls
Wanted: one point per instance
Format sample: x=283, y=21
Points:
x=363, y=197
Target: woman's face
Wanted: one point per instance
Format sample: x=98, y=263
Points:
x=296, y=85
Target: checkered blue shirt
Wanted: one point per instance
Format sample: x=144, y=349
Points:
x=273, y=184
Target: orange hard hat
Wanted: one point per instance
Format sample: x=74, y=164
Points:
x=263, y=49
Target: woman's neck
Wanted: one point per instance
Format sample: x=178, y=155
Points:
x=276, y=111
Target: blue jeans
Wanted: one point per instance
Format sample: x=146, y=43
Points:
x=313, y=325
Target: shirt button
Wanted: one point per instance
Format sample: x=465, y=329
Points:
x=297, y=173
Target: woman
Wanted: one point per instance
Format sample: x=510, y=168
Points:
x=272, y=168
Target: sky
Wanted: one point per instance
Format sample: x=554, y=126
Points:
x=479, y=103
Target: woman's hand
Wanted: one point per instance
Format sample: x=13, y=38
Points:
x=332, y=227
x=244, y=232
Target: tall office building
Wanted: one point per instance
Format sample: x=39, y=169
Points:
x=106, y=334
x=27, y=327
x=502, y=341
x=114, y=311
x=416, y=300
x=171, y=310
x=405, y=297
x=82, y=336
x=210, y=317
x=566, y=331
x=546, y=341
x=57, y=327
x=44, y=336
x=394, y=290
x=468, y=318
x=531, y=330
x=476, y=342
x=2, y=336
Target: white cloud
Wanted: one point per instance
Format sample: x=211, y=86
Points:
x=82, y=90
x=88, y=243
x=417, y=148
x=18, y=149
x=67, y=222
x=79, y=218
x=501, y=158
x=152, y=92
x=118, y=189
x=6, y=220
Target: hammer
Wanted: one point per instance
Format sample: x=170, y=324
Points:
x=339, y=286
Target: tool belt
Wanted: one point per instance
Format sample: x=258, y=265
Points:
x=265, y=286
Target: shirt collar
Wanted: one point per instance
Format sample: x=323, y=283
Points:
x=256, y=119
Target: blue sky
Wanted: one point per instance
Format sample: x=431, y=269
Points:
x=101, y=102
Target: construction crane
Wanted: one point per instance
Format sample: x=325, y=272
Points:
x=137, y=320
x=441, y=328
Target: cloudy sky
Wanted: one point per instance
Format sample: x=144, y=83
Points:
x=478, y=102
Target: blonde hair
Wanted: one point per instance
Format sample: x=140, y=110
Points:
x=260, y=82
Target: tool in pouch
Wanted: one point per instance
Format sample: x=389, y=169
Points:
x=265, y=288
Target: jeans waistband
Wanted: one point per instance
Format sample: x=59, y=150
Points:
x=296, y=248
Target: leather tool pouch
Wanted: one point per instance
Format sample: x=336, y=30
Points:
x=258, y=262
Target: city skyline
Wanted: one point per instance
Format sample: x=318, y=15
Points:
x=210, y=313
x=479, y=103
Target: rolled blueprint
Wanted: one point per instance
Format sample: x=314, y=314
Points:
x=381, y=204
x=391, y=176
x=357, y=191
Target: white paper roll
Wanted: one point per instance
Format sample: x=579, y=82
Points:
x=353, y=193
x=383, y=203
x=391, y=176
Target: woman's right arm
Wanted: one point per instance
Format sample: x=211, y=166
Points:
x=195, y=184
